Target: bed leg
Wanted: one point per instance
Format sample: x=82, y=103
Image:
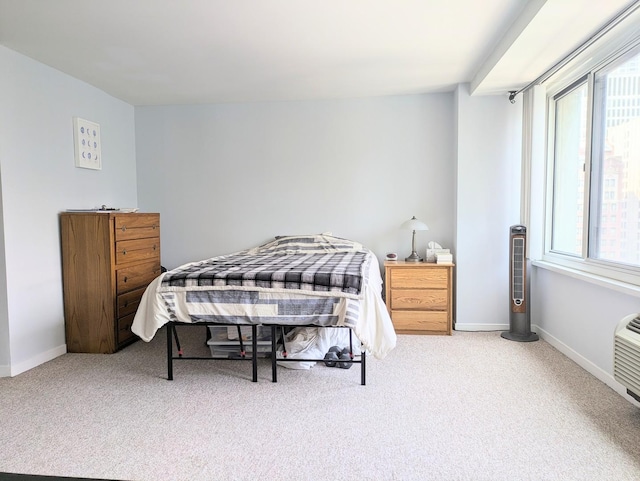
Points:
x=351, y=344
x=284, y=346
x=175, y=334
x=363, y=359
x=363, y=367
x=170, y=328
x=242, y=351
x=274, y=345
x=254, y=354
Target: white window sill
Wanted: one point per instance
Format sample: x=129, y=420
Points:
x=623, y=287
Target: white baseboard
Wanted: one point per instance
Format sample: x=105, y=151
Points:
x=15, y=369
x=580, y=360
x=585, y=364
x=480, y=327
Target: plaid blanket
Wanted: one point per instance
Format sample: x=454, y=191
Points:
x=341, y=271
x=328, y=281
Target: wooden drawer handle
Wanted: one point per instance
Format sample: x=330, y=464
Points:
x=154, y=247
x=124, y=252
x=124, y=280
x=124, y=228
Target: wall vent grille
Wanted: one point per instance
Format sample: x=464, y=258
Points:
x=634, y=325
x=626, y=364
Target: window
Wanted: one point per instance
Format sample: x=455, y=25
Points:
x=568, y=173
x=595, y=169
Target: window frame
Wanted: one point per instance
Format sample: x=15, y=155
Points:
x=556, y=89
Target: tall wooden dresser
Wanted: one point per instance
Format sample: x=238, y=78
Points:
x=108, y=259
x=418, y=296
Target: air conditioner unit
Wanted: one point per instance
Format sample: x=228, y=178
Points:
x=626, y=354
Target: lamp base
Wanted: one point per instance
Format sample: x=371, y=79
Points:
x=414, y=257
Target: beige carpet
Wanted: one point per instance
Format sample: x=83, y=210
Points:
x=468, y=407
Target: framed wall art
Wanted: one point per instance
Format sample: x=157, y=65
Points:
x=86, y=137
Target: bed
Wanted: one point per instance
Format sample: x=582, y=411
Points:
x=305, y=281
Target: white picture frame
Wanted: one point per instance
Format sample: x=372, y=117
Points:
x=88, y=148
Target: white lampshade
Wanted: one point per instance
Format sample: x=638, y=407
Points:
x=414, y=224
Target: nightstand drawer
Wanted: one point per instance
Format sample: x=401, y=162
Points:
x=420, y=321
x=428, y=278
x=431, y=300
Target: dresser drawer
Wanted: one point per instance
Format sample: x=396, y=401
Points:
x=128, y=303
x=136, y=226
x=137, y=250
x=140, y=275
x=124, y=328
x=431, y=278
x=434, y=321
x=432, y=300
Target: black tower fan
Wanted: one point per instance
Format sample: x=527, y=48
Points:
x=519, y=321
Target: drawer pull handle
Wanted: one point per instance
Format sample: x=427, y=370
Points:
x=124, y=228
x=124, y=252
x=125, y=279
x=153, y=227
x=154, y=247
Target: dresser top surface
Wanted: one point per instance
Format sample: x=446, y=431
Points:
x=416, y=264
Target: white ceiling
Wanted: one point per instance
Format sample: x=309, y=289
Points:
x=149, y=52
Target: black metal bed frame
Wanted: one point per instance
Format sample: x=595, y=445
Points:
x=171, y=330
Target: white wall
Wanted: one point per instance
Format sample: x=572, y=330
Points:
x=39, y=180
x=227, y=177
x=5, y=346
x=579, y=318
x=488, y=145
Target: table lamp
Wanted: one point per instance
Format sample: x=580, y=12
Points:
x=414, y=225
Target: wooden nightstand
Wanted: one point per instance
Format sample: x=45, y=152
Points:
x=418, y=296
